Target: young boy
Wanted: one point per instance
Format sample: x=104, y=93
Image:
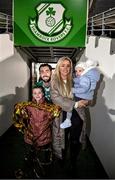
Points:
x=85, y=82
x=34, y=118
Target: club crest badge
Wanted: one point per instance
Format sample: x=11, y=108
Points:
x=50, y=25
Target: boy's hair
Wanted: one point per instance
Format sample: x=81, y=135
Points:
x=45, y=64
x=39, y=87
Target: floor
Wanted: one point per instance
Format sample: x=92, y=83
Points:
x=13, y=164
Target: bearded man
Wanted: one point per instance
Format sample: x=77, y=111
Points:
x=45, y=72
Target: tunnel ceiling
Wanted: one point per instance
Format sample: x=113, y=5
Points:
x=51, y=54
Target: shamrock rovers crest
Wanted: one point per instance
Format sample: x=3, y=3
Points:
x=51, y=25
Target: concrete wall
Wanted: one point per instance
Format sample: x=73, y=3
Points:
x=102, y=115
x=14, y=79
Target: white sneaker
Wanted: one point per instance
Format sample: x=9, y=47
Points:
x=65, y=124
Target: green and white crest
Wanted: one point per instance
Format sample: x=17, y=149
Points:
x=51, y=25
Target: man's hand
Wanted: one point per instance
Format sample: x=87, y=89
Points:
x=82, y=103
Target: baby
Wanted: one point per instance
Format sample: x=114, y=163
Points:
x=87, y=76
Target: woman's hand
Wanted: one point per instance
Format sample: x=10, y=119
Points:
x=82, y=103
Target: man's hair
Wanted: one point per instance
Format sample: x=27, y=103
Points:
x=45, y=64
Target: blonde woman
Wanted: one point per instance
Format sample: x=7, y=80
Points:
x=61, y=84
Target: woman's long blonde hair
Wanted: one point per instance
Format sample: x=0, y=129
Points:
x=57, y=75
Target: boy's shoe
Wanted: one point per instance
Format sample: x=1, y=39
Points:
x=65, y=124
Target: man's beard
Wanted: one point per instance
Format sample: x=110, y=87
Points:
x=46, y=80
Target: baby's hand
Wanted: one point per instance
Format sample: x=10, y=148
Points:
x=82, y=103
